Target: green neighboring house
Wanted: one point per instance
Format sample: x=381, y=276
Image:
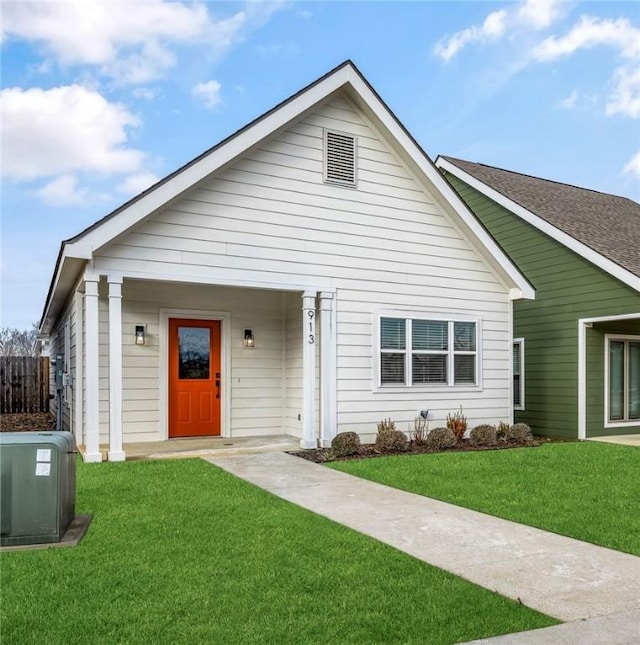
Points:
x=576, y=348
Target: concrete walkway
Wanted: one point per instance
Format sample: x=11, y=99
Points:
x=559, y=576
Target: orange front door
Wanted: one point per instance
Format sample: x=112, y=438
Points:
x=194, y=378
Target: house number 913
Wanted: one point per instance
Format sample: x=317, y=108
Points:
x=311, y=338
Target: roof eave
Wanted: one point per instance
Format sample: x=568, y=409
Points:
x=599, y=260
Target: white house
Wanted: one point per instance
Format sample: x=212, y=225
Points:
x=312, y=273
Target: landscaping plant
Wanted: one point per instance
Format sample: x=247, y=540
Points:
x=457, y=422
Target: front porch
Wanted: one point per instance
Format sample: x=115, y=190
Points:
x=204, y=447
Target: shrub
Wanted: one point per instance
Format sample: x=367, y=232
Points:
x=420, y=431
x=457, y=422
x=389, y=439
x=441, y=439
x=483, y=435
x=345, y=444
x=501, y=430
x=520, y=432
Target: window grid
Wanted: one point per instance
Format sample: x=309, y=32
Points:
x=450, y=353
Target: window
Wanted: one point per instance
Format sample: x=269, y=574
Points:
x=416, y=351
x=518, y=373
x=339, y=158
x=623, y=380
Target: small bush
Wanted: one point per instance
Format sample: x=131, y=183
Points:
x=420, y=431
x=501, y=430
x=457, y=423
x=345, y=444
x=389, y=439
x=483, y=435
x=520, y=432
x=441, y=439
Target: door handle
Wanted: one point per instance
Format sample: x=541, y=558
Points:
x=217, y=388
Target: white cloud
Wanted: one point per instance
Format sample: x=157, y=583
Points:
x=62, y=191
x=61, y=130
x=135, y=184
x=128, y=41
x=625, y=98
x=538, y=14
x=145, y=93
x=619, y=35
x=589, y=32
x=208, y=93
x=633, y=165
x=570, y=101
x=492, y=28
x=528, y=15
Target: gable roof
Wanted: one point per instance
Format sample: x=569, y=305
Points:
x=603, y=228
x=346, y=78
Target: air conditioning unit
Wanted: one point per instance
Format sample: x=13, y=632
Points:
x=37, y=486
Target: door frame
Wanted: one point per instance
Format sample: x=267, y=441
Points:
x=225, y=362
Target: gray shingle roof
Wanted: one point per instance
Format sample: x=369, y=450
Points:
x=608, y=224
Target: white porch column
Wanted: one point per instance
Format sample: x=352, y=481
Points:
x=327, y=369
x=308, y=370
x=115, y=369
x=92, y=383
x=78, y=392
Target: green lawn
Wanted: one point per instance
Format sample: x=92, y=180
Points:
x=589, y=491
x=182, y=552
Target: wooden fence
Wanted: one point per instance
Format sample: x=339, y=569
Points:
x=24, y=384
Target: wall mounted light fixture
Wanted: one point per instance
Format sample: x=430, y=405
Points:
x=140, y=333
x=249, y=340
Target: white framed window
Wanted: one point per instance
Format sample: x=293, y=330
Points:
x=423, y=351
x=340, y=155
x=518, y=373
x=622, y=380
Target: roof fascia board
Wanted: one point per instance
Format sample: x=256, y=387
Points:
x=541, y=224
x=492, y=251
x=192, y=175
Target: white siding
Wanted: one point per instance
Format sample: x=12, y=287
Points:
x=270, y=218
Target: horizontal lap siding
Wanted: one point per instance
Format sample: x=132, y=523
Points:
x=567, y=288
x=256, y=374
x=383, y=245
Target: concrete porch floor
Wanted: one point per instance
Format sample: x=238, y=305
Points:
x=206, y=447
x=622, y=439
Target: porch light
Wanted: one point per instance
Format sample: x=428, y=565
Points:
x=249, y=340
x=140, y=334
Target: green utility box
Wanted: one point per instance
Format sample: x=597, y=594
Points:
x=37, y=486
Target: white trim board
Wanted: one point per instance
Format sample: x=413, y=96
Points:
x=541, y=224
x=583, y=323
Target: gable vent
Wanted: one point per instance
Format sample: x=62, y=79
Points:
x=340, y=158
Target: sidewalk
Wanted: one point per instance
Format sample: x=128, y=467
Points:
x=559, y=576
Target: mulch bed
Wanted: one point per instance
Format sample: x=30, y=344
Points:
x=369, y=451
x=27, y=422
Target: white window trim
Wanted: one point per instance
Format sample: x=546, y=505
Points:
x=607, y=422
x=520, y=342
x=378, y=387
x=335, y=182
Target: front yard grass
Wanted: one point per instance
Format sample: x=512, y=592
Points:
x=586, y=490
x=182, y=552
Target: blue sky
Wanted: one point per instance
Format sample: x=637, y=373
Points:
x=101, y=99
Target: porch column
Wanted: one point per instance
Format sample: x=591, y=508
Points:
x=308, y=370
x=115, y=369
x=92, y=383
x=78, y=392
x=327, y=369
